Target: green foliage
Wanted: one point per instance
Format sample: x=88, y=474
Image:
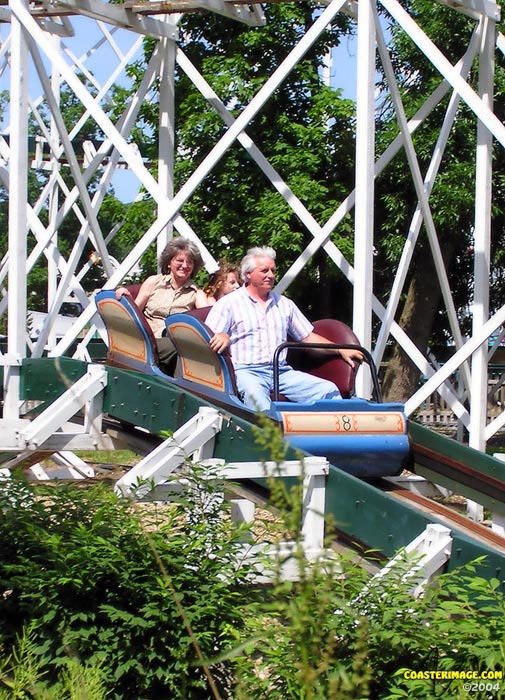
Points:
x=334, y=635
x=22, y=676
x=83, y=570
x=101, y=598
x=305, y=130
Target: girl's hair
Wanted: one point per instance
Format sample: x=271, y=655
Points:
x=180, y=245
x=248, y=261
x=218, y=279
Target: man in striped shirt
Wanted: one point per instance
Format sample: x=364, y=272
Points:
x=252, y=321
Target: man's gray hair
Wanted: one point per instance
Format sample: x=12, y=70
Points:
x=249, y=260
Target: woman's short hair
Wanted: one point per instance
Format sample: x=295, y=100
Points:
x=218, y=279
x=248, y=261
x=180, y=245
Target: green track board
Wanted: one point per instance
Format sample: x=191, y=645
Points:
x=359, y=509
x=377, y=521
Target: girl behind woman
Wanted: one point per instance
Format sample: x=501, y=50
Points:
x=222, y=282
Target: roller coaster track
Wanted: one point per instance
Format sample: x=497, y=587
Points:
x=469, y=538
x=380, y=516
x=457, y=474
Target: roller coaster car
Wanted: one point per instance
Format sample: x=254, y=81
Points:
x=366, y=439
x=131, y=341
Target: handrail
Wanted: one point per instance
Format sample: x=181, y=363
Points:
x=377, y=394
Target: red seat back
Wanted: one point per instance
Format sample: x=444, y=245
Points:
x=325, y=367
x=201, y=314
x=134, y=289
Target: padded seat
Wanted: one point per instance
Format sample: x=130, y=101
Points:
x=132, y=344
x=320, y=365
x=197, y=361
x=201, y=313
x=324, y=366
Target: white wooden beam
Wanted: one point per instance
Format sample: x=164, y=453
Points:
x=65, y=407
x=18, y=194
x=120, y=16
x=428, y=553
x=193, y=439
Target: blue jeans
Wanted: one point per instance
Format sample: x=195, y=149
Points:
x=255, y=382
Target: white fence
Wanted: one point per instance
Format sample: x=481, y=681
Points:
x=434, y=412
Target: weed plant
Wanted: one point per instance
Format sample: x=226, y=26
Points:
x=110, y=600
x=23, y=676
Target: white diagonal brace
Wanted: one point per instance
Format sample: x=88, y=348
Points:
x=69, y=459
x=431, y=549
x=157, y=466
x=415, y=225
x=65, y=407
x=72, y=159
x=453, y=76
x=496, y=320
x=248, y=144
x=422, y=196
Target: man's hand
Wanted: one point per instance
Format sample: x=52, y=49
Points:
x=220, y=342
x=351, y=356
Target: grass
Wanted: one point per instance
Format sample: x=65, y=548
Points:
x=123, y=458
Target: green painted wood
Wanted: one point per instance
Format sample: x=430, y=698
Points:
x=445, y=446
x=487, y=491
x=153, y=404
x=377, y=521
x=359, y=509
x=141, y=400
x=46, y=378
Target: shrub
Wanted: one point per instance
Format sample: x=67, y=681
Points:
x=22, y=676
x=151, y=602
x=336, y=635
x=96, y=581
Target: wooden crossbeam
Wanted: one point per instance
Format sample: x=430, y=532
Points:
x=146, y=8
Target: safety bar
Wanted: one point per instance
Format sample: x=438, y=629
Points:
x=325, y=346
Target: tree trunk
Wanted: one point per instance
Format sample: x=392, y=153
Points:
x=417, y=318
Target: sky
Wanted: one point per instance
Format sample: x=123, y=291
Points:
x=102, y=61
x=342, y=75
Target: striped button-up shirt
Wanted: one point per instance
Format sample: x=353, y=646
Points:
x=256, y=329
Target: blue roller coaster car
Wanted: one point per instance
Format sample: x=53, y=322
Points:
x=368, y=439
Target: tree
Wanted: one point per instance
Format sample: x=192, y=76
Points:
x=305, y=130
x=422, y=315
